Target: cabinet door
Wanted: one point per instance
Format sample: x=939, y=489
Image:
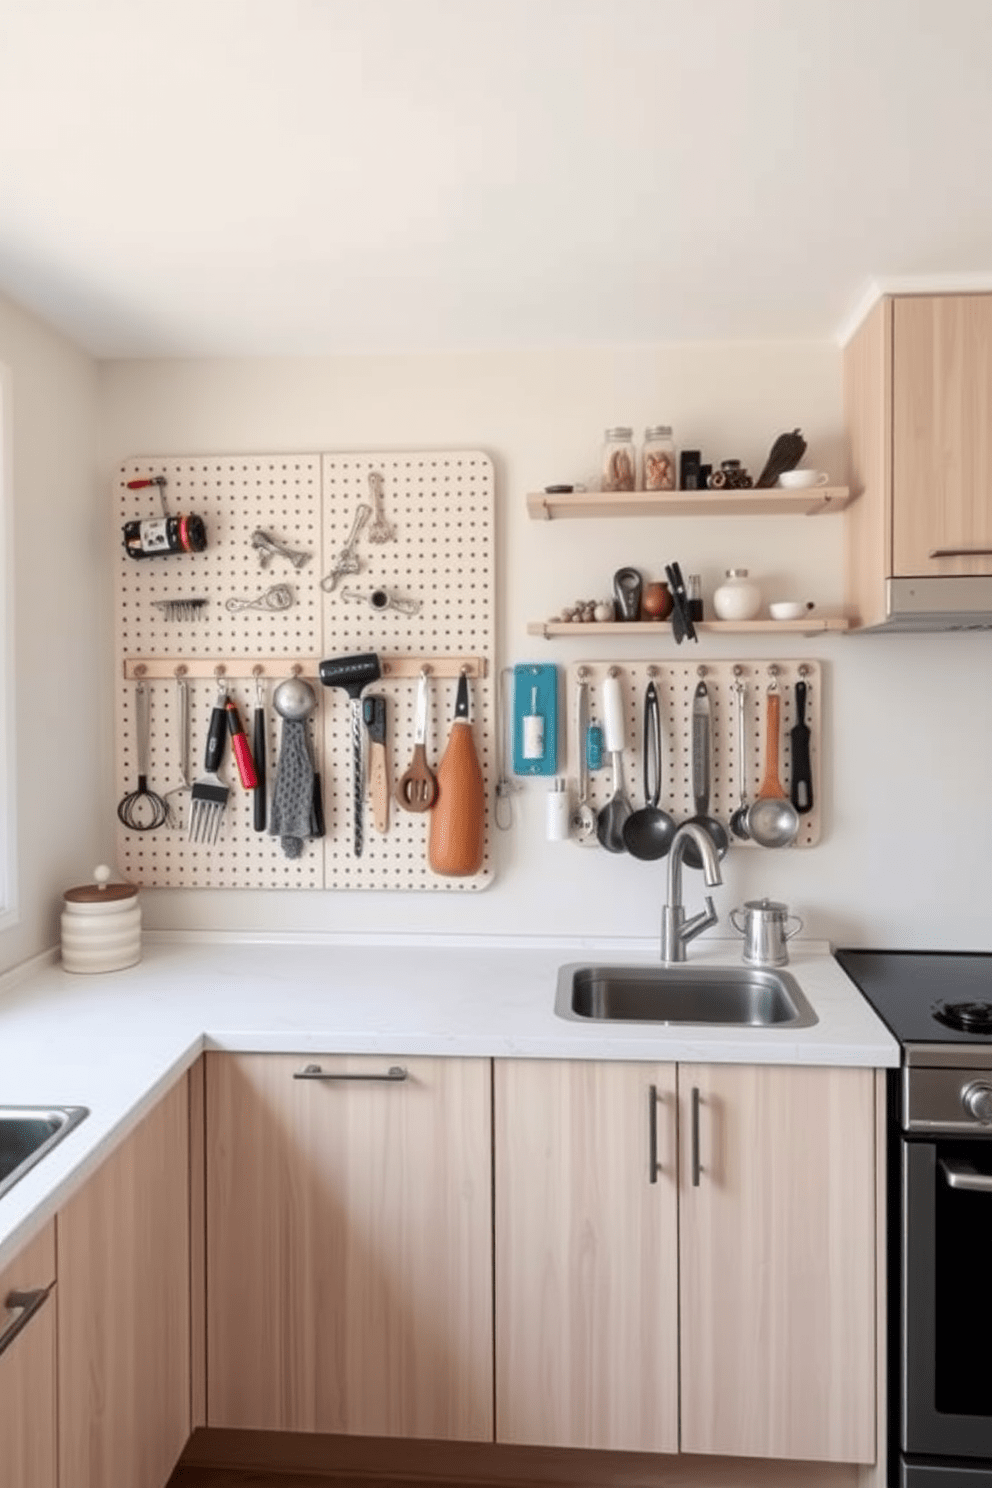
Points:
x=349, y=1247
x=942, y=435
x=27, y=1369
x=586, y=1255
x=777, y=1262
x=124, y=1310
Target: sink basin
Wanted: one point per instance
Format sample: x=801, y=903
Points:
x=730, y=996
x=27, y=1133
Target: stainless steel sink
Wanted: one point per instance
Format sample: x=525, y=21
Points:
x=731, y=996
x=27, y=1133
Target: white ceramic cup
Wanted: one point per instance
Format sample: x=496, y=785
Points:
x=799, y=480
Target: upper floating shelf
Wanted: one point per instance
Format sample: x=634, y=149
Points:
x=811, y=502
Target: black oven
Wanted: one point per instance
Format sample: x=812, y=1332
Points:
x=939, y=1006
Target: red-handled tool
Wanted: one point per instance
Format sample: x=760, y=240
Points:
x=239, y=744
x=151, y=480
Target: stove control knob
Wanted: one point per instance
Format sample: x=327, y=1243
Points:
x=977, y=1101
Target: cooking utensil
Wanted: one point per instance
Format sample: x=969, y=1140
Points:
x=209, y=795
x=259, y=744
x=142, y=810
x=610, y=821
x=682, y=626
x=648, y=833
x=354, y=673
x=772, y=819
x=738, y=819
x=348, y=561
x=276, y=597
x=456, y=842
x=801, y=792
x=239, y=745
x=416, y=789
x=374, y=714
x=711, y=825
x=627, y=593
x=583, y=818
x=295, y=816
x=380, y=530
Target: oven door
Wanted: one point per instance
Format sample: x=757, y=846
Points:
x=946, y=1376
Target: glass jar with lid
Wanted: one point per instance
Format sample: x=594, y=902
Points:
x=619, y=460
x=659, y=458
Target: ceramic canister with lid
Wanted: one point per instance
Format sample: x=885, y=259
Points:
x=101, y=925
x=737, y=598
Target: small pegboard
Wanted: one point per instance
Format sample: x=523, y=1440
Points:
x=438, y=561
x=676, y=684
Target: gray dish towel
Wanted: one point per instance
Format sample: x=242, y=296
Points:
x=291, y=816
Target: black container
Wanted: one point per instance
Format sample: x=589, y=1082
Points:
x=689, y=462
x=160, y=536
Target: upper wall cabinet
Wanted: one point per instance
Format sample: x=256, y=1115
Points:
x=918, y=397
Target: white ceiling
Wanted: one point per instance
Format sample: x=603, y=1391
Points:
x=258, y=177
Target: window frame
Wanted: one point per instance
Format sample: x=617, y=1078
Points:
x=9, y=909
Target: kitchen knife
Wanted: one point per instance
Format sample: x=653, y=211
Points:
x=801, y=793
x=374, y=713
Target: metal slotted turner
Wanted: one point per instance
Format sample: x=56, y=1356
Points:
x=208, y=797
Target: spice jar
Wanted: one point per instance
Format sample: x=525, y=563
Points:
x=737, y=598
x=659, y=459
x=619, y=460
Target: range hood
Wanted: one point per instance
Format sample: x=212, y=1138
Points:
x=936, y=603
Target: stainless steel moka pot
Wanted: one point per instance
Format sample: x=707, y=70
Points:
x=765, y=931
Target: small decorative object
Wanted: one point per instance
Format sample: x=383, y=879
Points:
x=732, y=476
x=785, y=454
x=619, y=461
x=656, y=602
x=603, y=611
x=659, y=458
x=689, y=470
x=737, y=598
x=101, y=925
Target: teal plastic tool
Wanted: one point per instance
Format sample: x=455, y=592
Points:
x=535, y=718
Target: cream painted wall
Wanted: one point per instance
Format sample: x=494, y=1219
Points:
x=62, y=614
x=906, y=790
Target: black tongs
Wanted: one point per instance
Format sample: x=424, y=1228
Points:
x=682, y=626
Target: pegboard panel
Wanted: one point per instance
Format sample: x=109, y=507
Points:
x=440, y=507
x=676, y=685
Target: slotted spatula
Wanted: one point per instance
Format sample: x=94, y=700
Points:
x=208, y=797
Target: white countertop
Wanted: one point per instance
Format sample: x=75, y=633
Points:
x=115, y=1043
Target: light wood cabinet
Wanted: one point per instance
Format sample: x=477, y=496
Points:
x=744, y=1303
x=586, y=1255
x=124, y=1309
x=777, y=1262
x=349, y=1246
x=918, y=408
x=27, y=1366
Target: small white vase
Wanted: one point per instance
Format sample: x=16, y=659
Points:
x=737, y=598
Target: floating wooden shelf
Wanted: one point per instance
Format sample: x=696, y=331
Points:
x=551, y=629
x=811, y=502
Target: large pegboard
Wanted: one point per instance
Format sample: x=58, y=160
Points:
x=676, y=683
x=440, y=504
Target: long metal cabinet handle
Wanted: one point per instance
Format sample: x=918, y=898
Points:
x=654, y=1166
x=25, y=1304
x=964, y=1176
x=960, y=552
x=697, y=1166
x=314, y=1072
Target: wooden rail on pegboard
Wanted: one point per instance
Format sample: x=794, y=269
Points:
x=211, y=667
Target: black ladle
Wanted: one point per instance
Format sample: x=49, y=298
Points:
x=648, y=833
x=711, y=825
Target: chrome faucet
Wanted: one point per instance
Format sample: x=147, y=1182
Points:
x=676, y=930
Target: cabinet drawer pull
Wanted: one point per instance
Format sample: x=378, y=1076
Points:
x=654, y=1166
x=960, y=552
x=697, y=1166
x=25, y=1304
x=314, y=1072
